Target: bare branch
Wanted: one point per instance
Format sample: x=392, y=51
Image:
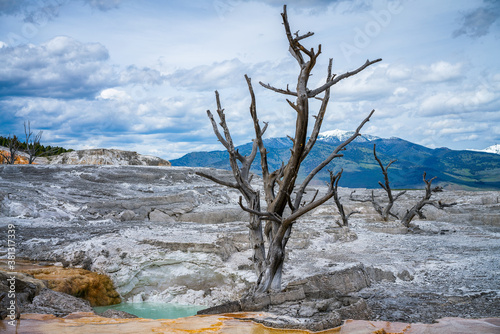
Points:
x=352, y=198
x=320, y=116
x=399, y=195
x=306, y=208
x=263, y=215
x=295, y=47
x=219, y=181
x=293, y=105
x=417, y=208
x=298, y=38
x=278, y=90
x=290, y=204
x=332, y=82
x=216, y=130
x=333, y=155
x=315, y=194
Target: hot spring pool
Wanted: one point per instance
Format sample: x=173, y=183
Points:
x=153, y=310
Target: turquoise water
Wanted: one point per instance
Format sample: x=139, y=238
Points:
x=153, y=310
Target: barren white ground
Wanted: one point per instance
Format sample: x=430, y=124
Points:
x=165, y=234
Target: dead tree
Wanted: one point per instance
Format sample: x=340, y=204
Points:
x=32, y=143
x=10, y=157
x=336, y=199
x=384, y=211
x=280, y=186
x=426, y=200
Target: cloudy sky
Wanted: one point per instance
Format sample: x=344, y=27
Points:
x=140, y=75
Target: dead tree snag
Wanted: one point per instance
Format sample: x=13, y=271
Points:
x=384, y=211
x=11, y=156
x=426, y=200
x=280, y=187
x=32, y=143
x=345, y=217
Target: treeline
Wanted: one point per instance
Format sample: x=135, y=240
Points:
x=41, y=149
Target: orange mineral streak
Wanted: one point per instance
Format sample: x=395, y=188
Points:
x=237, y=323
x=98, y=289
x=20, y=160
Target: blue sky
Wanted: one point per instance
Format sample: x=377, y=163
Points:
x=140, y=75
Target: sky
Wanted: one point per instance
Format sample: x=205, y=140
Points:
x=140, y=75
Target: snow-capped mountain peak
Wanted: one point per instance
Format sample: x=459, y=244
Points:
x=341, y=135
x=493, y=149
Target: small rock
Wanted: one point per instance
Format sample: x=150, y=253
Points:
x=117, y=314
x=127, y=215
x=405, y=276
x=307, y=310
x=159, y=216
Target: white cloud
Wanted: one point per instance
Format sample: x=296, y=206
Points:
x=214, y=76
x=459, y=101
x=439, y=71
x=113, y=94
x=400, y=91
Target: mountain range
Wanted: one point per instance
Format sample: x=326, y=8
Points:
x=454, y=169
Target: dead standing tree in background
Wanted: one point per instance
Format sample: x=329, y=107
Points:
x=384, y=211
x=10, y=157
x=426, y=200
x=345, y=218
x=32, y=143
x=280, y=189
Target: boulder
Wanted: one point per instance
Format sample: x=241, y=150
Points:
x=56, y=303
x=17, y=290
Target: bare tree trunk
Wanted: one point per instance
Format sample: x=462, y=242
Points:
x=256, y=238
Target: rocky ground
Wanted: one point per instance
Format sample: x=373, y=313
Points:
x=165, y=234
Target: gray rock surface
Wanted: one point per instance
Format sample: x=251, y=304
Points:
x=165, y=234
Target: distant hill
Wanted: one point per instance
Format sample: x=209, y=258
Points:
x=454, y=169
